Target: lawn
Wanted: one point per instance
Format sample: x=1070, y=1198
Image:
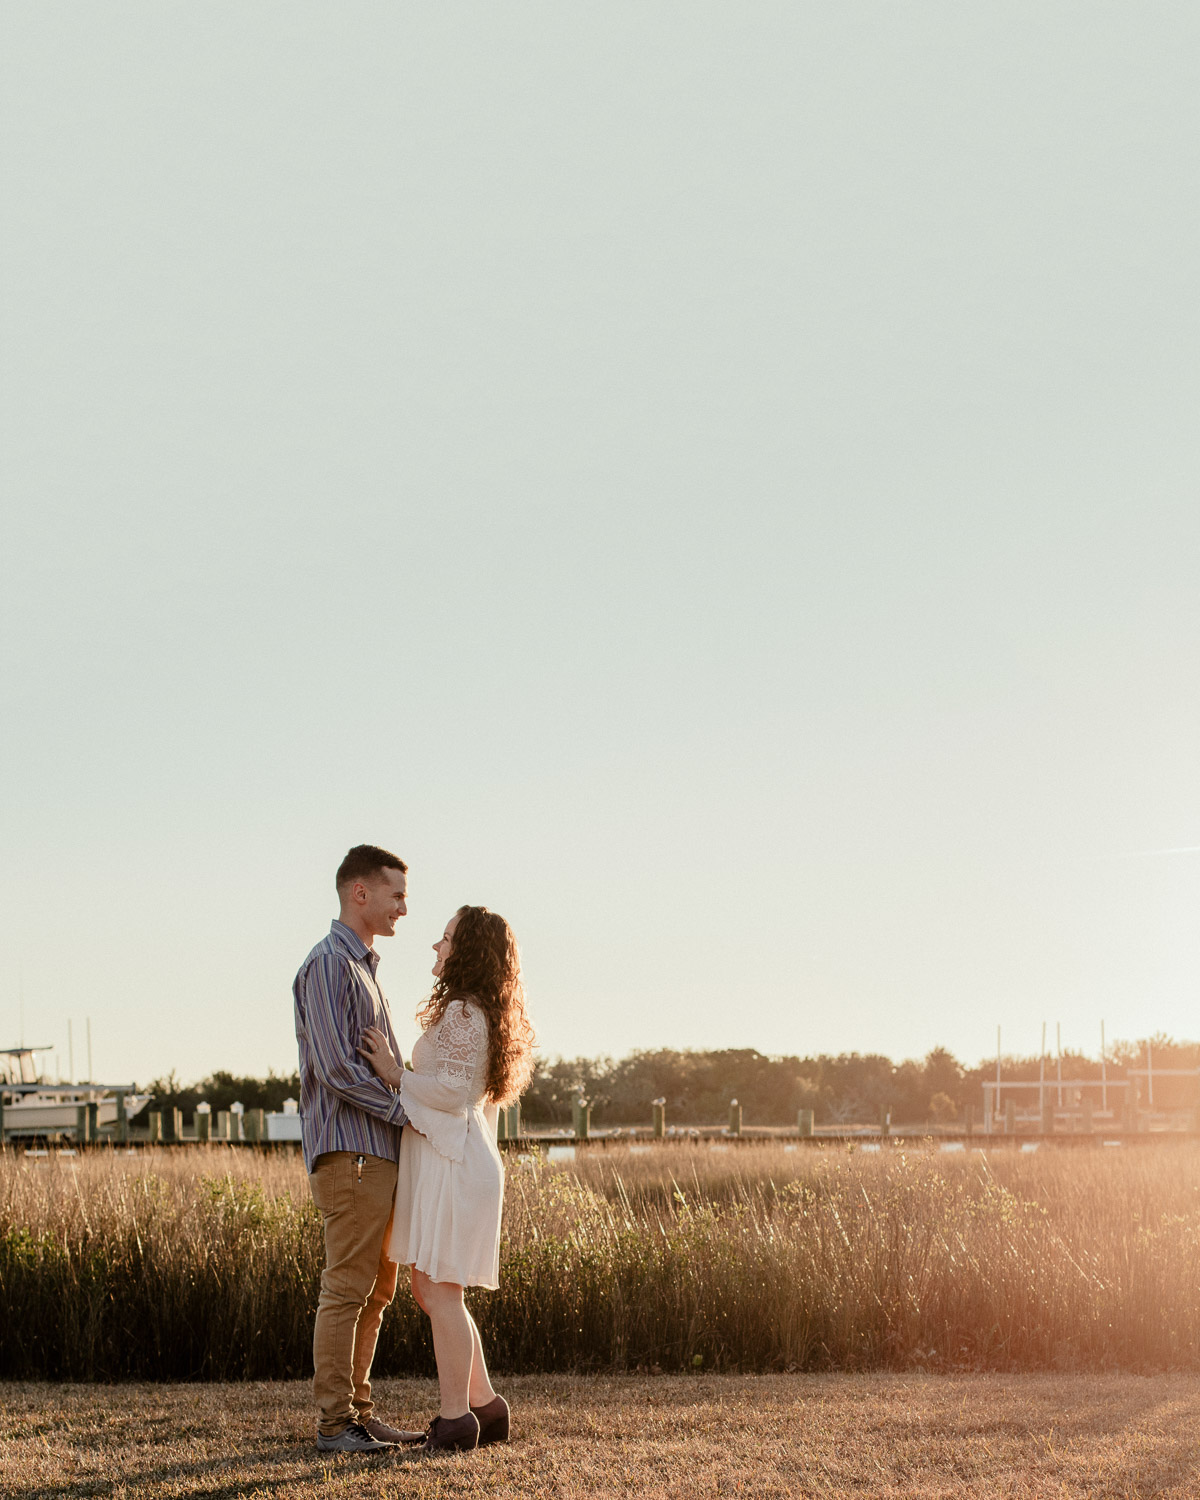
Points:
x=881, y=1435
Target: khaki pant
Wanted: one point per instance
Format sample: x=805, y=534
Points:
x=357, y=1283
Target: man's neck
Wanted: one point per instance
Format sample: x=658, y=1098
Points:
x=350, y=919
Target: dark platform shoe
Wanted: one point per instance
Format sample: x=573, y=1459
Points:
x=446, y=1434
x=493, y=1421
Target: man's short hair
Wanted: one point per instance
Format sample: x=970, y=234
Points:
x=366, y=860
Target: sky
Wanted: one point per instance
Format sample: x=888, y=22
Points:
x=714, y=483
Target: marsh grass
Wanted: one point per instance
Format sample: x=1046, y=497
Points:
x=203, y=1264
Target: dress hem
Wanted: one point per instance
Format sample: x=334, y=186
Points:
x=488, y=1286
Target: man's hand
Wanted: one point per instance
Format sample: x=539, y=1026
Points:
x=379, y=1054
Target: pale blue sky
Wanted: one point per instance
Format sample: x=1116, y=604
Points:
x=716, y=483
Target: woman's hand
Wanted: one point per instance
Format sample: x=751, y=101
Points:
x=378, y=1053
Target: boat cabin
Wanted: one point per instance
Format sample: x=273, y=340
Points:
x=17, y=1066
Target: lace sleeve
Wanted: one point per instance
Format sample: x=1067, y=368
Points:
x=461, y=1039
x=437, y=1103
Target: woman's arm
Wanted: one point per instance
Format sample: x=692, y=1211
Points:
x=437, y=1103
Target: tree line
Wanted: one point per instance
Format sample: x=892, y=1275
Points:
x=848, y=1088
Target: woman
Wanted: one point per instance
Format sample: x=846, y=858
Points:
x=475, y=1053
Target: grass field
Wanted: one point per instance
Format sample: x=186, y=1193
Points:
x=203, y=1264
x=880, y=1435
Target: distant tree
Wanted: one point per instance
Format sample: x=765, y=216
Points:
x=943, y=1074
x=222, y=1089
x=557, y=1083
x=168, y=1093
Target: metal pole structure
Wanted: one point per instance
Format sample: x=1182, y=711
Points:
x=1058, y=1046
x=91, y=1074
x=1103, y=1071
x=1150, y=1070
x=1042, y=1078
x=70, y=1053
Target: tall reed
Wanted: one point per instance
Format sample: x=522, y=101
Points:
x=204, y=1264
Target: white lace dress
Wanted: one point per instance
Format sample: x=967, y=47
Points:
x=450, y=1185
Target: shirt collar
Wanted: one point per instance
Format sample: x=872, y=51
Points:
x=350, y=939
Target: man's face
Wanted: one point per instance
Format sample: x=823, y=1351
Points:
x=383, y=901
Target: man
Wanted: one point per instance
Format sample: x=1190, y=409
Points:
x=351, y=1123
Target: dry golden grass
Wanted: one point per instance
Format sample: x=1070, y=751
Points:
x=922, y=1437
x=203, y=1263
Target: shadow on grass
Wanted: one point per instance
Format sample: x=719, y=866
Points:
x=244, y=1472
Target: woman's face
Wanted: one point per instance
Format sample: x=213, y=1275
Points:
x=443, y=946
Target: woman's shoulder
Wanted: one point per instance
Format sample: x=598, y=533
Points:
x=465, y=1011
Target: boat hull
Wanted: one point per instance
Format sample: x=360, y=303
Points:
x=53, y=1117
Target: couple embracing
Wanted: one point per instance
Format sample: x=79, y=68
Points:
x=403, y=1162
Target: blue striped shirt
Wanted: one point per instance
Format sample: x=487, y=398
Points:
x=343, y=1105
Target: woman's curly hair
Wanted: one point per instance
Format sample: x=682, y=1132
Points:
x=484, y=965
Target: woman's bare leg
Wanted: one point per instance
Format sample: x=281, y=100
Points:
x=480, y=1388
x=453, y=1341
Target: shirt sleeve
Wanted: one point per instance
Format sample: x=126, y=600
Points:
x=437, y=1103
x=333, y=1041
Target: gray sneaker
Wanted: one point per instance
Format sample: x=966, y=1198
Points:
x=352, y=1439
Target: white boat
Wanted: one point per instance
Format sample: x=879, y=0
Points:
x=32, y=1106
